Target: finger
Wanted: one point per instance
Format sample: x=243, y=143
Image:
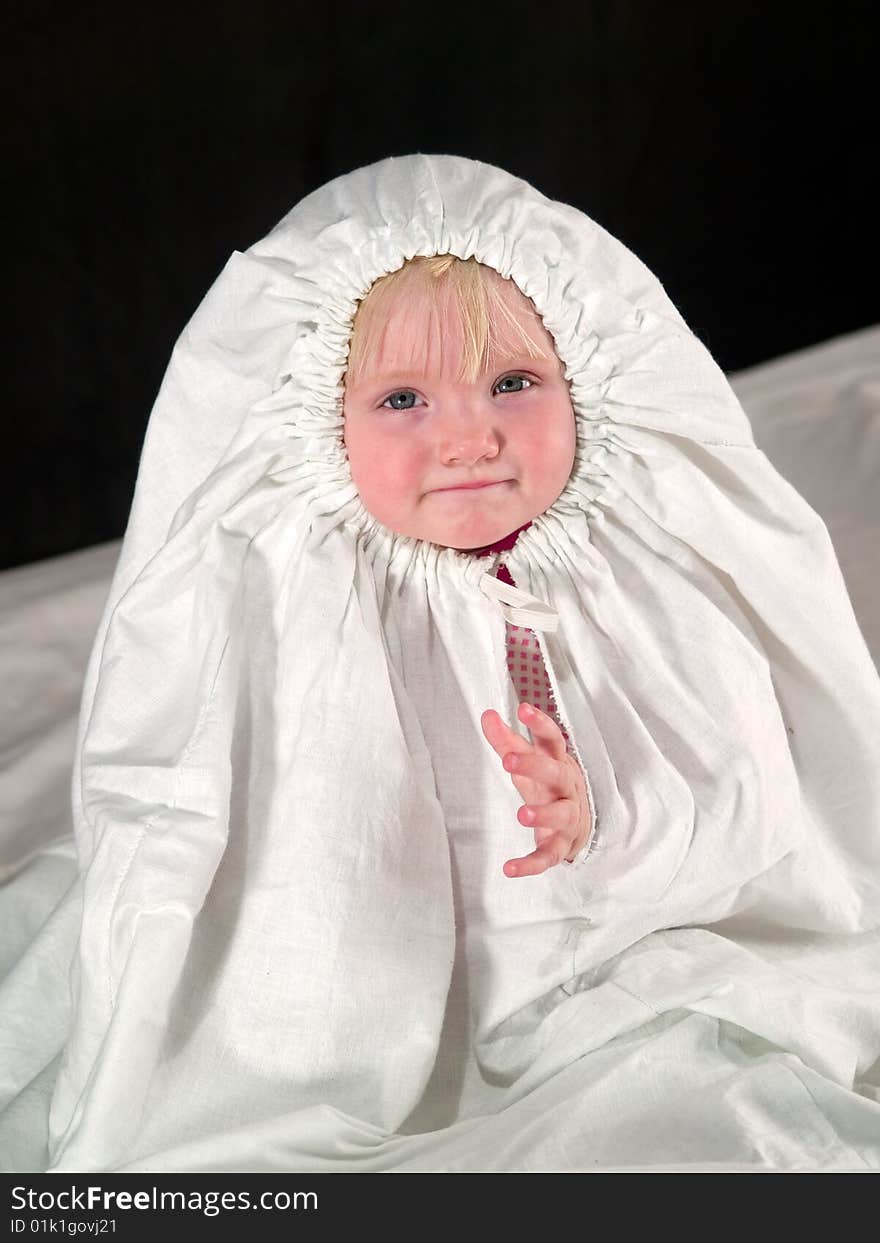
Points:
x=546, y=734
x=559, y=817
x=545, y=856
x=500, y=736
x=543, y=770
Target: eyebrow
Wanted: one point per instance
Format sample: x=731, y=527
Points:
x=399, y=375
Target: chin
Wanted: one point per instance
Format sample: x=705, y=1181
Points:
x=473, y=541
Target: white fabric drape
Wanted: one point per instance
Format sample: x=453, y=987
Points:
x=295, y=947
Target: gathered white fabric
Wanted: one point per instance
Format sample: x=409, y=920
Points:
x=296, y=947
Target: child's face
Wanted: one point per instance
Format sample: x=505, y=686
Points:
x=415, y=433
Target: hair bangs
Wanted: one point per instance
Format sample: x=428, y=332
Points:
x=429, y=291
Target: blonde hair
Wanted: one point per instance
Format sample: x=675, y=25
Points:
x=488, y=325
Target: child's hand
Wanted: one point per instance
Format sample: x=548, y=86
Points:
x=552, y=784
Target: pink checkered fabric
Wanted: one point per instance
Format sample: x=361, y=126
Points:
x=525, y=665
x=524, y=660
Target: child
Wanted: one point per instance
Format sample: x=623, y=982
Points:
x=296, y=810
x=456, y=327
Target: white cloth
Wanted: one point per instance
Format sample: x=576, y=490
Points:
x=296, y=946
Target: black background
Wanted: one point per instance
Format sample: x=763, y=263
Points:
x=731, y=146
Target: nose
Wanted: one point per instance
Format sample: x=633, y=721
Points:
x=467, y=437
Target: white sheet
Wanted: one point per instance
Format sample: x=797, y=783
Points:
x=735, y=1045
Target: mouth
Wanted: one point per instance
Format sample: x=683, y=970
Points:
x=473, y=487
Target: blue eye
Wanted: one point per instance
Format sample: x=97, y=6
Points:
x=395, y=404
x=406, y=399
x=521, y=379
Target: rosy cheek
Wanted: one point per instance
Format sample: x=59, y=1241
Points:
x=385, y=466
